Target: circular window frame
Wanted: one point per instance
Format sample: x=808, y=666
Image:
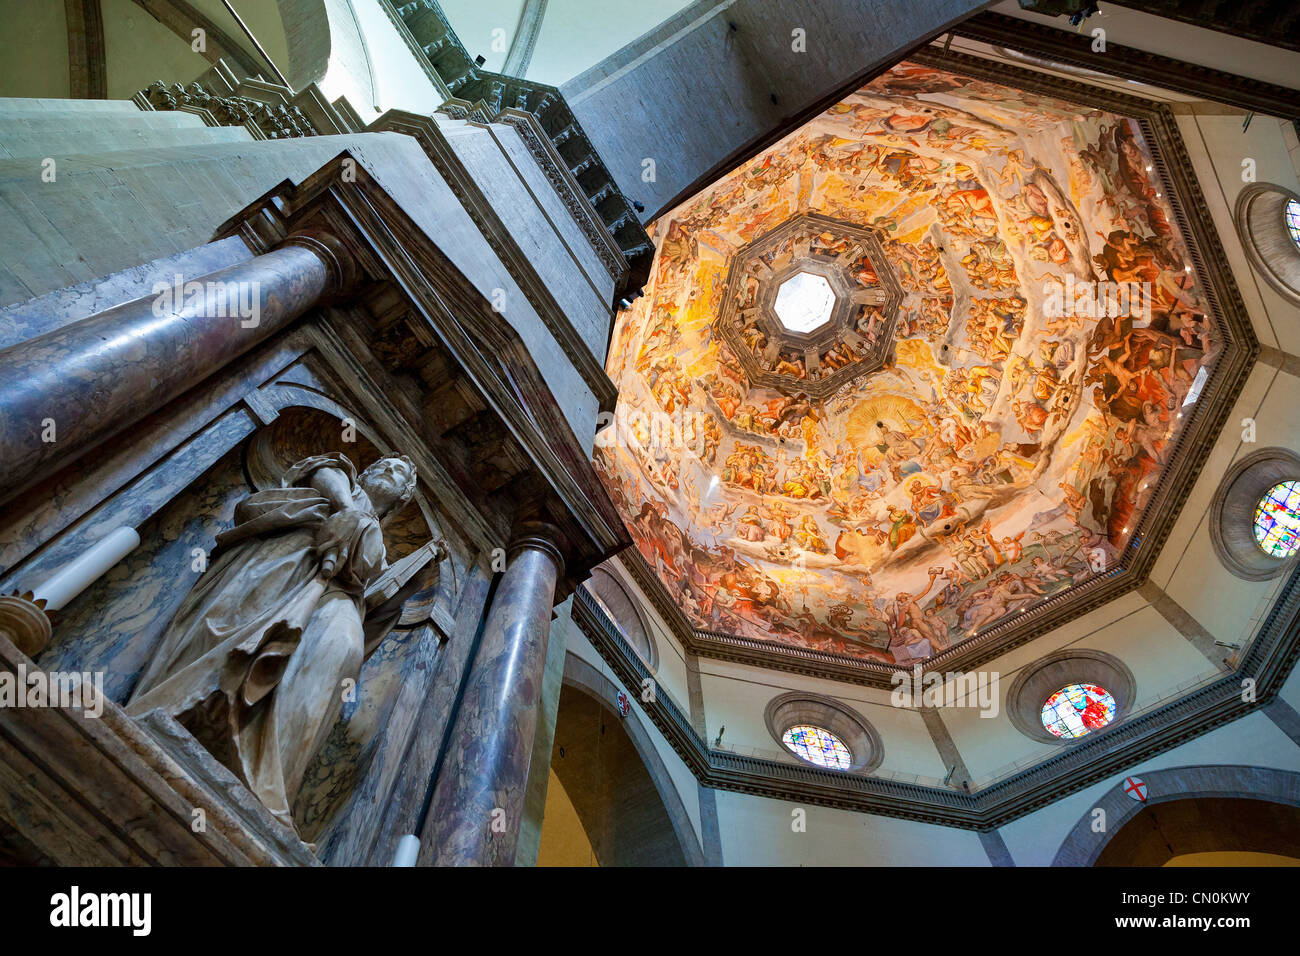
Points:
x=854, y=731
x=1232, y=513
x=1260, y=221
x=1043, y=678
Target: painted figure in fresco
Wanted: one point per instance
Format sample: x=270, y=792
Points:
x=254, y=657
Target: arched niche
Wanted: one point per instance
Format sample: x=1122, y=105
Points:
x=625, y=611
x=624, y=795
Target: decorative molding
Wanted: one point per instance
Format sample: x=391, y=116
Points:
x=87, y=63
x=1177, y=76
x=1272, y=22
x=852, y=301
x=478, y=94
x=426, y=132
x=262, y=120
x=566, y=186
x=1268, y=661
x=450, y=365
x=266, y=110
x=524, y=42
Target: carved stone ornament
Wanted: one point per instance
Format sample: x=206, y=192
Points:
x=298, y=594
x=275, y=120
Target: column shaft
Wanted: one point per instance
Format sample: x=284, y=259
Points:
x=64, y=392
x=479, y=796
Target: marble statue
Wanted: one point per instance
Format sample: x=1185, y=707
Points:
x=255, y=661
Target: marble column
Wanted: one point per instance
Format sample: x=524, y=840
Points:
x=69, y=390
x=478, y=801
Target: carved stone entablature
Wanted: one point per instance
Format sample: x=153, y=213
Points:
x=267, y=110
x=429, y=135
x=272, y=120
x=450, y=368
x=472, y=90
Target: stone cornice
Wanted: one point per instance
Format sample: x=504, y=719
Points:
x=1178, y=76
x=1268, y=662
x=562, y=181
x=506, y=417
x=426, y=132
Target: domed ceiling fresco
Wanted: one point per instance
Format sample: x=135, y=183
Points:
x=910, y=371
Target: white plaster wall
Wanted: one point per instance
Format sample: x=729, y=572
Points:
x=736, y=696
x=401, y=83
x=578, y=34
x=476, y=23
x=139, y=50
x=33, y=49
x=1228, y=607
x=759, y=831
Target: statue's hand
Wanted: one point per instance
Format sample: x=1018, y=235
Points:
x=337, y=536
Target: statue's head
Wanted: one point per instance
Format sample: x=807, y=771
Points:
x=390, y=483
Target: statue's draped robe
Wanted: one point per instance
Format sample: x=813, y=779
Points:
x=254, y=661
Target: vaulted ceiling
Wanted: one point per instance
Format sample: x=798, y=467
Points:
x=921, y=371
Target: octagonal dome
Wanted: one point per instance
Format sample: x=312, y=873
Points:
x=978, y=445
x=804, y=302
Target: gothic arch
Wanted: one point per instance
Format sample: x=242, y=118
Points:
x=1273, y=795
x=665, y=833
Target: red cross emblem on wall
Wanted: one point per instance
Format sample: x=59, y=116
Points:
x=1136, y=789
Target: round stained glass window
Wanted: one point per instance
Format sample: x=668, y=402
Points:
x=1292, y=215
x=818, y=746
x=1277, y=520
x=1078, y=709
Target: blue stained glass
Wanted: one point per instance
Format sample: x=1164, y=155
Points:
x=818, y=746
x=1277, y=520
x=1292, y=214
x=1078, y=709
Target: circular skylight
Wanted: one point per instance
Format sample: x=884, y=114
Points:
x=817, y=745
x=1078, y=709
x=1277, y=520
x=1292, y=215
x=804, y=302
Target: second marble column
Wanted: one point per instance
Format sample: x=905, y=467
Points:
x=478, y=802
